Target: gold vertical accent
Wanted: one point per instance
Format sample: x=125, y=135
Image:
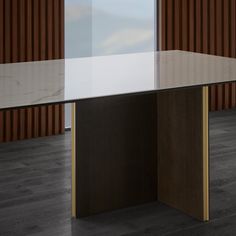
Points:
x=73, y=163
x=205, y=155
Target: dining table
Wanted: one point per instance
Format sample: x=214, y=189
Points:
x=139, y=124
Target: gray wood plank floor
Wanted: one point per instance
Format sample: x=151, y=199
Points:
x=35, y=192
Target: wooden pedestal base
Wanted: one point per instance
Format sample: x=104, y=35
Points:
x=183, y=150
x=116, y=155
x=129, y=150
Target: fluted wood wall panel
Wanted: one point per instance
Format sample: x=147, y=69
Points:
x=204, y=26
x=31, y=30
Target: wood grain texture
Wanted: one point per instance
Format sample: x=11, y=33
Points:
x=219, y=47
x=163, y=24
x=226, y=48
x=56, y=114
x=116, y=156
x=212, y=45
x=232, y=31
x=177, y=19
x=207, y=26
x=50, y=120
x=7, y=125
x=7, y=31
x=15, y=125
x=170, y=23
x=31, y=30
x=191, y=15
x=1, y=126
x=22, y=124
x=185, y=25
x=182, y=154
x=198, y=22
x=2, y=20
x=29, y=123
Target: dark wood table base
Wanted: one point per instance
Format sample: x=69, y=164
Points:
x=129, y=150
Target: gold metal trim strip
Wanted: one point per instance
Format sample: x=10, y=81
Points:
x=73, y=163
x=205, y=154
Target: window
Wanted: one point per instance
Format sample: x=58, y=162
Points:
x=104, y=27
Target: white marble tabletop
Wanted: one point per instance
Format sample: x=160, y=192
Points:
x=47, y=82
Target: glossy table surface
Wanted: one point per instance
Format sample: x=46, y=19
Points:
x=48, y=82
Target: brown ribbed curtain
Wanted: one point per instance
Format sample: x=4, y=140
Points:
x=31, y=30
x=205, y=26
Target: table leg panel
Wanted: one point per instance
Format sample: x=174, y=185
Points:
x=116, y=153
x=183, y=150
